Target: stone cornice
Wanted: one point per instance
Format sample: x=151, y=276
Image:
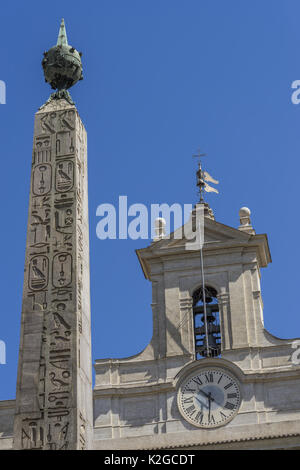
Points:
x=258, y=243
x=133, y=390
x=200, y=438
x=144, y=388
x=7, y=404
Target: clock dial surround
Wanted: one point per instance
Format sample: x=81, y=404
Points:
x=209, y=397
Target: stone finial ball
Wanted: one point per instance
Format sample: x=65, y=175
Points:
x=62, y=67
x=244, y=212
x=160, y=221
x=160, y=228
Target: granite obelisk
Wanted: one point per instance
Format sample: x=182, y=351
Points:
x=54, y=385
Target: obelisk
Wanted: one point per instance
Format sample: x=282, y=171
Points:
x=54, y=385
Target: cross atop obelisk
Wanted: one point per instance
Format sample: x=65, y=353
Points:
x=54, y=386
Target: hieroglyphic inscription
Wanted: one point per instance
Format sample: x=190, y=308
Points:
x=64, y=176
x=41, y=179
x=42, y=151
x=62, y=270
x=38, y=272
x=55, y=246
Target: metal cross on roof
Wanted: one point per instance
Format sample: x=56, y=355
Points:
x=199, y=155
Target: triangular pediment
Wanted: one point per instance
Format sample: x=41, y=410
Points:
x=217, y=236
x=214, y=233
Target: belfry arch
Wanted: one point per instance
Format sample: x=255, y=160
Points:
x=207, y=341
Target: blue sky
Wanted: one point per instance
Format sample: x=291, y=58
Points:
x=161, y=78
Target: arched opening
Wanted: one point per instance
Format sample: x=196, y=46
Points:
x=207, y=340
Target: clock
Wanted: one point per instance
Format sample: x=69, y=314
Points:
x=209, y=398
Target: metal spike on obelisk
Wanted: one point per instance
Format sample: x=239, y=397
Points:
x=54, y=406
x=62, y=39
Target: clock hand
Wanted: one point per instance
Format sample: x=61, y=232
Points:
x=213, y=399
x=209, y=405
x=208, y=395
x=201, y=403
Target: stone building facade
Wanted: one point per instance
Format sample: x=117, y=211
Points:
x=136, y=398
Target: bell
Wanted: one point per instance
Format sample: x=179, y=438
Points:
x=210, y=318
x=212, y=344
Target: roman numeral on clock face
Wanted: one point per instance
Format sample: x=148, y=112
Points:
x=199, y=417
x=192, y=390
x=191, y=409
x=228, y=385
x=209, y=377
x=232, y=395
x=188, y=400
x=229, y=406
x=197, y=380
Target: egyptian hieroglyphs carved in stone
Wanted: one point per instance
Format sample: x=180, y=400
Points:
x=54, y=398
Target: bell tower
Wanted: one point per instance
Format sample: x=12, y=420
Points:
x=232, y=260
x=212, y=377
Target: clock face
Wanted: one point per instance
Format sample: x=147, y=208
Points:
x=209, y=398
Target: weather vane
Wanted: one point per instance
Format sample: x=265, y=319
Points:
x=203, y=177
